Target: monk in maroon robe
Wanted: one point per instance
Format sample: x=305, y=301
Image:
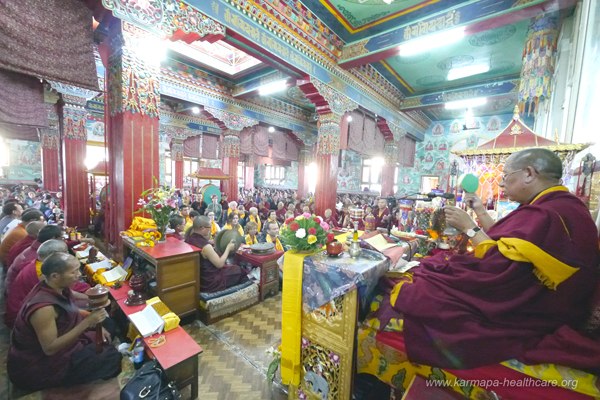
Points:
x=531, y=275
x=52, y=342
x=215, y=275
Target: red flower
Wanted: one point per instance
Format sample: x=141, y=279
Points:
x=312, y=231
x=330, y=237
x=317, y=220
x=289, y=220
x=158, y=206
x=420, y=232
x=294, y=226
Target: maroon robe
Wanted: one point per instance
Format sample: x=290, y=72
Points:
x=463, y=312
x=281, y=215
x=213, y=279
x=380, y=215
x=18, y=248
x=26, y=257
x=28, y=365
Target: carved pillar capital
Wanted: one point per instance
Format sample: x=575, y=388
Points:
x=231, y=145
x=390, y=153
x=230, y=120
x=338, y=102
x=133, y=84
x=177, y=150
x=328, y=141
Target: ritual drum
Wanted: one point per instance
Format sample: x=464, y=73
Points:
x=207, y=191
x=356, y=213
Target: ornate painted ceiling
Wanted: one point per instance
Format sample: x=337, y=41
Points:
x=354, y=47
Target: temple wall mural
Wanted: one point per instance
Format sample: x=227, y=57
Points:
x=433, y=157
x=25, y=161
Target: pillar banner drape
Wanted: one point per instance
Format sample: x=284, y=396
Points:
x=50, y=143
x=328, y=147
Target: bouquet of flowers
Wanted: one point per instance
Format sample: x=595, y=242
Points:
x=305, y=232
x=160, y=203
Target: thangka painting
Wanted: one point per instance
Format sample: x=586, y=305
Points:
x=25, y=161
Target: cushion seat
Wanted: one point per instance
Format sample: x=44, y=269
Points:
x=218, y=305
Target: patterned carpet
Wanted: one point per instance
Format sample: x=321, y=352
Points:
x=232, y=366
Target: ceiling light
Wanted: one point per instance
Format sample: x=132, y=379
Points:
x=272, y=87
x=470, y=70
x=432, y=41
x=151, y=50
x=388, y=1
x=349, y=118
x=468, y=103
x=271, y=129
x=196, y=110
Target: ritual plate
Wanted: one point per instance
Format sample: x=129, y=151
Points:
x=262, y=248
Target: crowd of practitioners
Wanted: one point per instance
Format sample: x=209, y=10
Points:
x=259, y=208
x=53, y=340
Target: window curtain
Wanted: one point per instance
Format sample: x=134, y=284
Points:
x=406, y=148
x=209, y=146
x=33, y=41
x=191, y=146
x=246, y=140
x=355, y=132
x=291, y=151
x=260, y=143
x=22, y=109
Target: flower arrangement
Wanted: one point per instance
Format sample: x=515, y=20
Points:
x=160, y=203
x=305, y=232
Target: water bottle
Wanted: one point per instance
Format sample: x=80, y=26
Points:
x=138, y=354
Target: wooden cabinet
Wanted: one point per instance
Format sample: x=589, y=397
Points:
x=177, y=273
x=269, y=270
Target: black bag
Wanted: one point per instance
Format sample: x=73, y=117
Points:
x=149, y=383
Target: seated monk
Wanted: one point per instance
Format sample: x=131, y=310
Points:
x=29, y=254
x=178, y=224
x=31, y=274
x=330, y=219
x=215, y=275
x=530, y=278
x=32, y=229
x=52, y=343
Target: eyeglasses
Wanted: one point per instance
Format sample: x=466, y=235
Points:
x=506, y=175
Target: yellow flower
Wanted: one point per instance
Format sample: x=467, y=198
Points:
x=311, y=239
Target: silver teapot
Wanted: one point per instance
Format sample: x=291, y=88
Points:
x=354, y=249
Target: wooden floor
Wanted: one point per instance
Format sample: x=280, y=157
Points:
x=232, y=366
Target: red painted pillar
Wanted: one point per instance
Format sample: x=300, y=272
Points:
x=132, y=127
x=72, y=118
x=177, y=157
x=328, y=147
x=249, y=173
x=389, y=166
x=50, y=142
x=230, y=156
x=304, y=158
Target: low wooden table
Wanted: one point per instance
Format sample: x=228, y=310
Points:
x=269, y=275
x=178, y=357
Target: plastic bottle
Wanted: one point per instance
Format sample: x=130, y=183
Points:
x=138, y=354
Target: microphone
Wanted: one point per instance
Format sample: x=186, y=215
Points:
x=432, y=195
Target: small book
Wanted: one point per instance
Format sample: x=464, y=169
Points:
x=100, y=264
x=115, y=274
x=379, y=242
x=147, y=321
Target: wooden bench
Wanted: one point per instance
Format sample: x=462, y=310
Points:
x=178, y=356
